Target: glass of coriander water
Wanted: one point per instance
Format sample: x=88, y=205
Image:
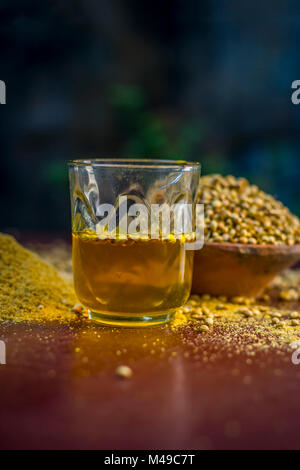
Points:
x=133, y=229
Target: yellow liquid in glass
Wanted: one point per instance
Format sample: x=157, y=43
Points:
x=131, y=278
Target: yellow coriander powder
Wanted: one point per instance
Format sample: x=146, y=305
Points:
x=29, y=287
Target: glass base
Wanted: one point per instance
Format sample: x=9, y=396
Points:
x=130, y=321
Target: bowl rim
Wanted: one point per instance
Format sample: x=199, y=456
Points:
x=248, y=248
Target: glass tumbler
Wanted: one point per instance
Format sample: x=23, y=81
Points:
x=131, y=265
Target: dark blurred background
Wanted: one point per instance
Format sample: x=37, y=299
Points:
x=206, y=80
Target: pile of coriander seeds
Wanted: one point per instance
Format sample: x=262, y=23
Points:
x=238, y=212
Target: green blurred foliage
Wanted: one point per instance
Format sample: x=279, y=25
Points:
x=146, y=133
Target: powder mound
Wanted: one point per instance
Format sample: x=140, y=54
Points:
x=29, y=287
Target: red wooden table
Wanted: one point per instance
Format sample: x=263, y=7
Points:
x=188, y=390
x=59, y=390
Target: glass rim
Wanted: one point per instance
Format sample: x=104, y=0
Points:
x=142, y=163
